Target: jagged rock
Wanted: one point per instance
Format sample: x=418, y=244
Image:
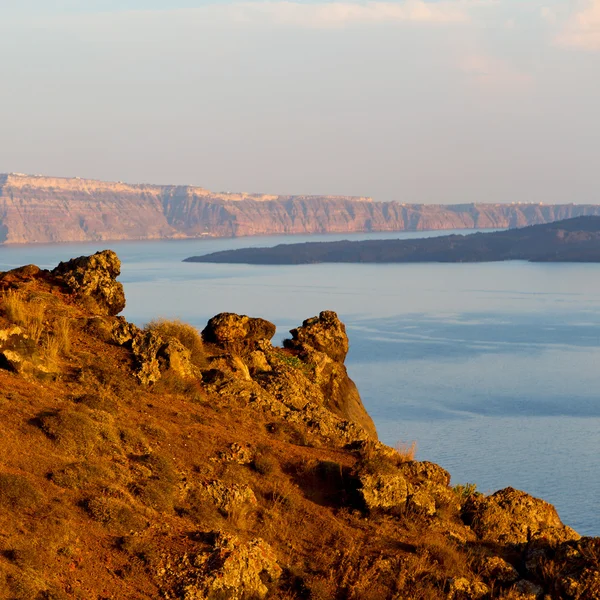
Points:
x=236, y=453
x=430, y=484
x=463, y=589
x=230, y=498
x=95, y=277
x=229, y=330
x=16, y=349
x=325, y=333
x=233, y=570
x=383, y=491
x=576, y=564
x=513, y=517
x=154, y=355
x=230, y=365
x=123, y=332
x=494, y=568
x=23, y=273
x=321, y=344
x=528, y=589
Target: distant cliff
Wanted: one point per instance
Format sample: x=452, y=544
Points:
x=570, y=240
x=37, y=209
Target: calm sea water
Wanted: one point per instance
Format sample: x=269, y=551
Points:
x=492, y=368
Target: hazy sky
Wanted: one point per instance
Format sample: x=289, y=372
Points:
x=409, y=100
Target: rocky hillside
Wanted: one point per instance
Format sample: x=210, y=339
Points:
x=35, y=209
x=164, y=463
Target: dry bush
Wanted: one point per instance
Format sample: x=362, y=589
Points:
x=406, y=451
x=99, y=402
x=79, y=475
x=134, y=441
x=156, y=491
x=112, y=512
x=264, y=462
x=52, y=350
x=17, y=492
x=62, y=335
x=185, y=333
x=75, y=432
x=29, y=313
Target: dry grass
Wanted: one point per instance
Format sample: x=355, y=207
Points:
x=186, y=334
x=17, y=492
x=62, y=335
x=27, y=312
x=406, y=451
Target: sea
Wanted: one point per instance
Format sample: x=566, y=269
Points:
x=493, y=369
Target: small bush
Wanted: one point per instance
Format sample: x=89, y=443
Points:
x=73, y=431
x=17, y=492
x=78, y=475
x=406, y=451
x=111, y=512
x=156, y=491
x=62, y=335
x=25, y=312
x=98, y=402
x=465, y=491
x=264, y=463
x=186, y=334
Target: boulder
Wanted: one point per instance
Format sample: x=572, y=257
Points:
x=513, y=517
x=386, y=492
x=154, y=355
x=230, y=498
x=95, y=277
x=237, y=332
x=17, y=349
x=232, y=570
x=461, y=588
x=494, y=568
x=325, y=333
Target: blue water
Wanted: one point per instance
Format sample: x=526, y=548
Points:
x=493, y=369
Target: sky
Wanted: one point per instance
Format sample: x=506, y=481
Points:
x=445, y=101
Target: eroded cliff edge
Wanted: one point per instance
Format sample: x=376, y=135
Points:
x=37, y=209
x=158, y=463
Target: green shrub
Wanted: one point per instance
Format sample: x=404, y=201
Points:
x=465, y=491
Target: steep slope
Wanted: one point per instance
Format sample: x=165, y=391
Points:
x=155, y=464
x=35, y=209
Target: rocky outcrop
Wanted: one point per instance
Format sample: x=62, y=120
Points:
x=325, y=333
x=94, y=277
x=513, y=517
x=231, y=569
x=322, y=343
x=36, y=209
x=229, y=330
x=17, y=350
x=154, y=355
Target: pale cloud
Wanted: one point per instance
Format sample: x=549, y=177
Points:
x=582, y=29
x=491, y=71
x=341, y=14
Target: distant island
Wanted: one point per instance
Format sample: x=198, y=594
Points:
x=569, y=240
x=41, y=209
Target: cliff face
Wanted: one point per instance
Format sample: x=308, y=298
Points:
x=35, y=209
